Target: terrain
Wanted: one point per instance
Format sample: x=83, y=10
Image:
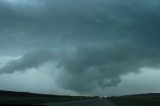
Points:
x=150, y=99
x=10, y=97
x=32, y=99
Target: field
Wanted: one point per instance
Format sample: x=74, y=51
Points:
x=152, y=99
x=28, y=99
x=8, y=97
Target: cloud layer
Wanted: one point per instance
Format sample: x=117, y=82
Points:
x=94, y=41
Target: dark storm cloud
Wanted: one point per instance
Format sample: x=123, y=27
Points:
x=29, y=60
x=99, y=40
x=103, y=66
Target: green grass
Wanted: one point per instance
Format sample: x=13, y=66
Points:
x=137, y=100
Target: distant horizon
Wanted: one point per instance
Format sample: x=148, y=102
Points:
x=76, y=95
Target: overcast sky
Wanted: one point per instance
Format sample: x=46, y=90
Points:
x=80, y=47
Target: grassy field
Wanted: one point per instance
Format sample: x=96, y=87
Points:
x=7, y=97
x=137, y=100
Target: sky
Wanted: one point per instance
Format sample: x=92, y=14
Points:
x=80, y=47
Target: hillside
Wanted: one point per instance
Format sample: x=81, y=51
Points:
x=10, y=97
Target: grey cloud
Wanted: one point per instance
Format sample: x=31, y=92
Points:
x=83, y=21
x=93, y=67
x=29, y=60
x=110, y=38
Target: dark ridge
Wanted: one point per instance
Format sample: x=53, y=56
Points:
x=32, y=99
x=139, y=95
x=26, y=94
